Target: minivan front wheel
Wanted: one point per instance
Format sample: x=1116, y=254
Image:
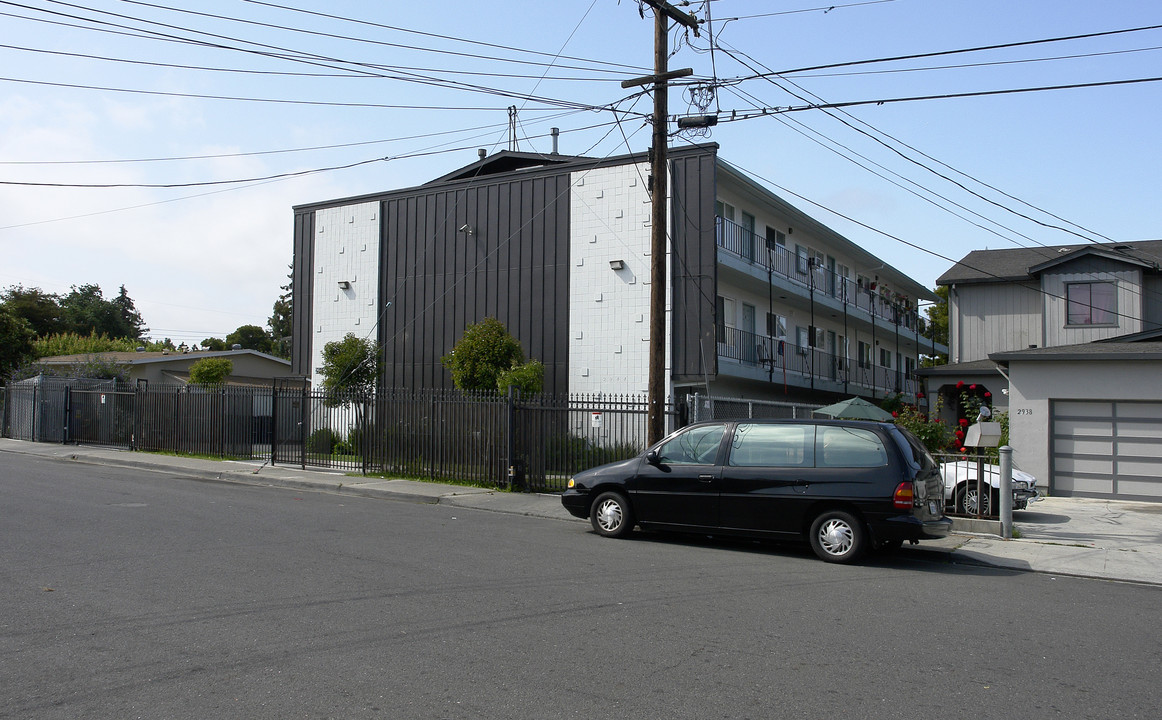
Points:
x=837, y=536
x=611, y=515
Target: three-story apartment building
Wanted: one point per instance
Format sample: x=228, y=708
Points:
x=763, y=301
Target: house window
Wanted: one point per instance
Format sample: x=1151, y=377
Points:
x=885, y=358
x=801, y=259
x=1091, y=303
x=801, y=339
x=724, y=210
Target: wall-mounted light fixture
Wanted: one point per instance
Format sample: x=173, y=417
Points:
x=466, y=229
x=344, y=284
x=617, y=264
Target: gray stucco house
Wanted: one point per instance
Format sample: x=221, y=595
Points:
x=1068, y=339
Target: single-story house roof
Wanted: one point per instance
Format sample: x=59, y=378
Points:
x=164, y=356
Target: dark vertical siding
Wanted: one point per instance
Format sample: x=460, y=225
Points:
x=514, y=266
x=695, y=276
x=304, y=281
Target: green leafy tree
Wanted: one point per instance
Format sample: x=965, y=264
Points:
x=937, y=325
x=281, y=320
x=488, y=357
x=85, y=310
x=15, y=340
x=250, y=337
x=350, y=365
x=39, y=309
x=129, y=315
x=528, y=378
x=211, y=371
x=215, y=344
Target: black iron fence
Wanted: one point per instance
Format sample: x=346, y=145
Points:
x=533, y=443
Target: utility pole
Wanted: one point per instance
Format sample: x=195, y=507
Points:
x=656, y=388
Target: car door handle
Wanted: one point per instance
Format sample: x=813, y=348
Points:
x=706, y=478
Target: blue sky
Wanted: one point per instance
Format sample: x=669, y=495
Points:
x=204, y=258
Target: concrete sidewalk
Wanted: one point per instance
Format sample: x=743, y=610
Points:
x=1114, y=540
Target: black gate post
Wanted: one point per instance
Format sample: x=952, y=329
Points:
x=511, y=437
x=273, y=420
x=303, y=430
x=68, y=414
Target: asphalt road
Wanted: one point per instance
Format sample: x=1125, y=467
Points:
x=131, y=594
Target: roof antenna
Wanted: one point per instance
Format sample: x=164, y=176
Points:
x=512, y=128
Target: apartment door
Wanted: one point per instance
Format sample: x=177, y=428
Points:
x=749, y=338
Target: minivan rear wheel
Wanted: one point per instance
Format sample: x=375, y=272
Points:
x=611, y=515
x=839, y=537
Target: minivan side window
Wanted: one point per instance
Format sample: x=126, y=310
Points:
x=759, y=445
x=837, y=446
x=697, y=446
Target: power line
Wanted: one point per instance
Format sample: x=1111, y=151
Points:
x=940, y=53
x=758, y=112
x=296, y=56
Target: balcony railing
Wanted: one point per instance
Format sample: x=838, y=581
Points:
x=782, y=358
x=801, y=269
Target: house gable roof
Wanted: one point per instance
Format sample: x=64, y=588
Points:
x=1017, y=264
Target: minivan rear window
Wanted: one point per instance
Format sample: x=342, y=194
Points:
x=837, y=446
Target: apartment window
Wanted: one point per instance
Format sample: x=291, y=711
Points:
x=885, y=358
x=724, y=210
x=801, y=259
x=776, y=326
x=1091, y=303
x=801, y=339
x=775, y=239
x=864, y=355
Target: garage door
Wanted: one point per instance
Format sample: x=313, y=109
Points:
x=1109, y=449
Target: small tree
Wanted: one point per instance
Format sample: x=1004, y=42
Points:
x=489, y=358
x=349, y=365
x=211, y=371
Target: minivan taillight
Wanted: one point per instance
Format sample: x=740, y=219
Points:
x=902, y=499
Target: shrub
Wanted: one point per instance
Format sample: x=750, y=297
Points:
x=322, y=442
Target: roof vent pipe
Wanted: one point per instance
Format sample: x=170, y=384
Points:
x=482, y=153
x=556, y=133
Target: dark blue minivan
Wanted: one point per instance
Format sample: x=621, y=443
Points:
x=844, y=486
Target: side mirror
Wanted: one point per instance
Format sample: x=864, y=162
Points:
x=652, y=457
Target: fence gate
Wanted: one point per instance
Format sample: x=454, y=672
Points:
x=100, y=417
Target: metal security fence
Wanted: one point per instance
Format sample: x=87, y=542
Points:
x=706, y=407
x=534, y=443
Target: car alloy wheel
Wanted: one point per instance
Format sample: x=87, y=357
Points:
x=968, y=497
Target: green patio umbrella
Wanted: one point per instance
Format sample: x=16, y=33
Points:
x=855, y=409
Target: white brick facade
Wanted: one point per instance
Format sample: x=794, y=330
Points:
x=609, y=308
x=346, y=252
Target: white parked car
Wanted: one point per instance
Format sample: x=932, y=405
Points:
x=960, y=487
